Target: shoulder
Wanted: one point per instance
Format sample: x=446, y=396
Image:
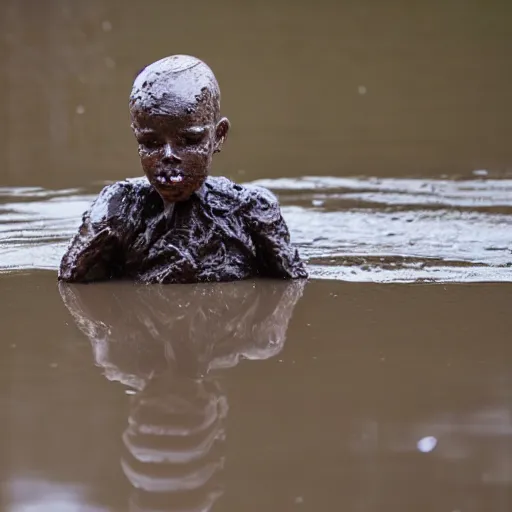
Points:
x=221, y=195
x=247, y=195
x=261, y=197
x=262, y=206
x=257, y=204
x=222, y=187
x=116, y=199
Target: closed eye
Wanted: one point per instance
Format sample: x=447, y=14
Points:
x=192, y=137
x=151, y=143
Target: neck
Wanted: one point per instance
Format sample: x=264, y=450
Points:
x=168, y=209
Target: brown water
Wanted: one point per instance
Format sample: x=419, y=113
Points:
x=382, y=384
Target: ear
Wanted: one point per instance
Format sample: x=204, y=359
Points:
x=221, y=132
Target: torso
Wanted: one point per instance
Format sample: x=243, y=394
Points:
x=202, y=239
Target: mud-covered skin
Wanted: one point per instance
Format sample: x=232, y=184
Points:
x=223, y=232
x=175, y=117
x=177, y=225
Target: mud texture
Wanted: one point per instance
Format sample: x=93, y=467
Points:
x=178, y=225
x=175, y=118
x=223, y=232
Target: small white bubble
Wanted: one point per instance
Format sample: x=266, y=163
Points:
x=427, y=444
x=361, y=89
x=106, y=26
x=130, y=391
x=480, y=172
x=317, y=202
x=80, y=109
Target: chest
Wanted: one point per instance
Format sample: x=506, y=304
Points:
x=198, y=235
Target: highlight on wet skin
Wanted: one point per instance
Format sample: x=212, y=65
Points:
x=178, y=224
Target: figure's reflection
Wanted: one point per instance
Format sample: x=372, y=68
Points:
x=165, y=342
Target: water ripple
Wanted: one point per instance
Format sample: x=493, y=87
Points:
x=356, y=229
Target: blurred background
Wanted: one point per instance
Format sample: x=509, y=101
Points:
x=386, y=397
x=354, y=87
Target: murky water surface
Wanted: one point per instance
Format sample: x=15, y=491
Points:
x=382, y=384
x=355, y=229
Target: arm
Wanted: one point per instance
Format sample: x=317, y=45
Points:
x=275, y=254
x=95, y=252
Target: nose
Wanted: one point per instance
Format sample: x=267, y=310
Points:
x=170, y=155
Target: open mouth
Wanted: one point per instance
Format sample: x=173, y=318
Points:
x=168, y=180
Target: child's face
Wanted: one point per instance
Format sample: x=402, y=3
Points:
x=176, y=145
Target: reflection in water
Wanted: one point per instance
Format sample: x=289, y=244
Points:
x=166, y=344
x=381, y=371
x=174, y=443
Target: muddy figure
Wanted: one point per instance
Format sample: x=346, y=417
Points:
x=177, y=224
x=171, y=345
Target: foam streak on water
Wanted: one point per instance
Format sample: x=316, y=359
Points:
x=356, y=229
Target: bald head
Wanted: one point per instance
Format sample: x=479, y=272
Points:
x=175, y=84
